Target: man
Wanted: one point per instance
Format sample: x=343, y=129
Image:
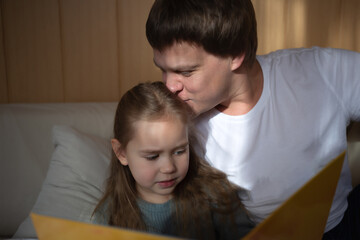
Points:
x=270, y=122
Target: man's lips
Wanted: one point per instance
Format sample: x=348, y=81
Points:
x=184, y=98
x=167, y=183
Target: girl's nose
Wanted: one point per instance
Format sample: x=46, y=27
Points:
x=168, y=166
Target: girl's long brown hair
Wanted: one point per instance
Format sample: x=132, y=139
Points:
x=204, y=189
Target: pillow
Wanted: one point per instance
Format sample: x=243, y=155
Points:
x=75, y=179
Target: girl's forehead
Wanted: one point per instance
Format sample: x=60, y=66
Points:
x=158, y=122
x=158, y=134
x=165, y=117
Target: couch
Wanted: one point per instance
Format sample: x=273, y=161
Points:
x=54, y=161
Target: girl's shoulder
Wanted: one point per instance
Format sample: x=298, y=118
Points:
x=101, y=215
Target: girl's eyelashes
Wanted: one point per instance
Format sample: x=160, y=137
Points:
x=176, y=152
x=181, y=151
x=152, y=157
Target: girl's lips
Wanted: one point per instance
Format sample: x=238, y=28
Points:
x=167, y=184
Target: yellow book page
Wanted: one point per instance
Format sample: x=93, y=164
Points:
x=304, y=214
x=51, y=228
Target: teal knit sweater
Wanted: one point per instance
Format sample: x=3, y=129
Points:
x=160, y=219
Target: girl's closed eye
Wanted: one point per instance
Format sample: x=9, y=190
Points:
x=181, y=151
x=151, y=157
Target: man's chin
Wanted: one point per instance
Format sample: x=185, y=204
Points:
x=194, y=110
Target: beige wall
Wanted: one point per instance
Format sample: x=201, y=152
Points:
x=94, y=50
x=305, y=23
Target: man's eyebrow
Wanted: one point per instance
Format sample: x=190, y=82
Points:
x=179, y=68
x=187, y=67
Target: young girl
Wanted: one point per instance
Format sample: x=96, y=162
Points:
x=157, y=183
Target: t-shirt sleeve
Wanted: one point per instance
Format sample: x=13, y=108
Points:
x=341, y=70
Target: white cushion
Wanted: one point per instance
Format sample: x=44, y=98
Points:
x=26, y=149
x=75, y=179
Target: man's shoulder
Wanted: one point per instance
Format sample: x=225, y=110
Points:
x=297, y=59
x=315, y=50
x=287, y=52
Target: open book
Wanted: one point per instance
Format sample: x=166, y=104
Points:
x=302, y=216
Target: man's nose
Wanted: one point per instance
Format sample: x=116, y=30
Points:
x=173, y=82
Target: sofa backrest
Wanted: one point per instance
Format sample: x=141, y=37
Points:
x=26, y=147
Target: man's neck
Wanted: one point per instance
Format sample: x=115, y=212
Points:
x=246, y=91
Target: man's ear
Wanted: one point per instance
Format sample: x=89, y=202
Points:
x=237, y=61
x=119, y=151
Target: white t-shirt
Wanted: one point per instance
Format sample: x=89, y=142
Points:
x=295, y=129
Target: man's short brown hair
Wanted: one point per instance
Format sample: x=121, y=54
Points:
x=221, y=27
